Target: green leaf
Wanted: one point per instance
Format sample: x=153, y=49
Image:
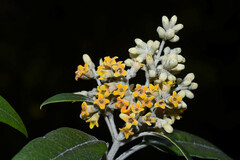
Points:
x=9, y=116
x=63, y=144
x=66, y=97
x=193, y=145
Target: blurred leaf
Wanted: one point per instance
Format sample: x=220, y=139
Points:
x=66, y=97
x=193, y=145
x=63, y=143
x=9, y=116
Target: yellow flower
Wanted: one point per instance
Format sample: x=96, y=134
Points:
x=119, y=69
x=121, y=103
x=148, y=119
x=147, y=101
x=93, y=120
x=137, y=108
x=160, y=104
x=140, y=91
x=127, y=132
x=84, y=112
x=120, y=90
x=81, y=70
x=101, y=101
x=129, y=119
x=174, y=99
x=104, y=89
x=104, y=74
x=109, y=62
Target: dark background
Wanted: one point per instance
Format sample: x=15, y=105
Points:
x=42, y=42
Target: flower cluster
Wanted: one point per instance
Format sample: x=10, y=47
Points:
x=151, y=106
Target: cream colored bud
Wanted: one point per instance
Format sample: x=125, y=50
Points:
x=88, y=60
x=149, y=43
x=152, y=73
x=155, y=45
x=173, y=21
x=181, y=59
x=133, y=50
x=193, y=86
x=169, y=121
x=168, y=128
x=172, y=63
x=176, y=50
x=141, y=58
x=100, y=61
x=179, y=67
x=175, y=38
x=161, y=32
x=149, y=59
x=178, y=27
x=189, y=76
x=189, y=94
x=165, y=22
x=166, y=50
x=170, y=34
x=163, y=76
x=171, y=78
x=158, y=124
x=139, y=42
x=182, y=93
x=184, y=105
x=186, y=82
x=129, y=62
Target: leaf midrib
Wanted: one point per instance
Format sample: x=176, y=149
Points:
x=74, y=147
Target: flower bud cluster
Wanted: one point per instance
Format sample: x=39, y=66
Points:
x=153, y=106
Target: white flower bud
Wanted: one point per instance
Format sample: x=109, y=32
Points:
x=100, y=61
x=179, y=67
x=155, y=45
x=161, y=32
x=193, y=86
x=184, y=105
x=182, y=93
x=163, y=76
x=173, y=21
x=172, y=63
x=171, y=78
x=166, y=50
x=175, y=38
x=129, y=62
x=176, y=50
x=186, y=82
x=152, y=73
x=168, y=128
x=141, y=58
x=170, y=34
x=88, y=60
x=139, y=42
x=178, y=27
x=189, y=94
x=133, y=50
x=165, y=22
x=189, y=76
x=181, y=59
x=149, y=60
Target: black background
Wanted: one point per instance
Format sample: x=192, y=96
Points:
x=42, y=42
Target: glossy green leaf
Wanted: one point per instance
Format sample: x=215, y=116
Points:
x=9, y=116
x=63, y=144
x=66, y=97
x=193, y=145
